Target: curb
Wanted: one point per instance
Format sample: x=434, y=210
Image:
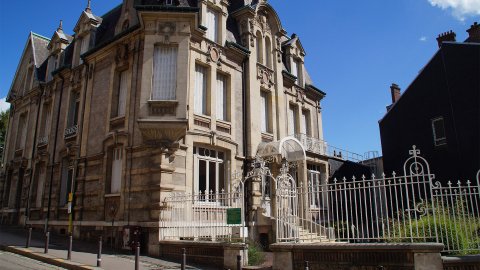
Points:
x=48, y=258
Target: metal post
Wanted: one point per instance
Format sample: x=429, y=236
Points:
x=70, y=242
x=306, y=265
x=137, y=256
x=99, y=254
x=184, y=259
x=29, y=237
x=47, y=240
x=239, y=262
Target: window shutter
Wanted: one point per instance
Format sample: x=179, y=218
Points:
x=164, y=73
x=221, y=97
x=122, y=94
x=200, y=90
x=116, y=178
x=211, y=25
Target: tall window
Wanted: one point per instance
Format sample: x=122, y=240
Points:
x=296, y=71
x=122, y=94
x=268, y=52
x=83, y=48
x=73, y=109
x=292, y=120
x=259, y=48
x=212, y=25
x=305, y=122
x=222, y=97
x=314, y=182
x=51, y=67
x=45, y=120
x=439, y=135
x=37, y=186
x=265, y=112
x=164, y=83
x=66, y=184
x=209, y=172
x=21, y=132
x=200, y=94
x=116, y=176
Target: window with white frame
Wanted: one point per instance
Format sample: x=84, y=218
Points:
x=73, y=109
x=296, y=71
x=314, y=185
x=200, y=92
x=164, y=81
x=45, y=120
x=292, y=120
x=265, y=107
x=116, y=167
x=209, y=173
x=439, y=135
x=222, y=97
x=212, y=25
x=122, y=94
x=305, y=122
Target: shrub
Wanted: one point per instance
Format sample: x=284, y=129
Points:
x=255, y=254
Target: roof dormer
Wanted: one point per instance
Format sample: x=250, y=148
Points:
x=294, y=58
x=85, y=30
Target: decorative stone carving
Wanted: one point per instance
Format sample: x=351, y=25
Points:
x=262, y=22
x=214, y=54
x=278, y=49
x=300, y=95
x=121, y=57
x=166, y=29
x=265, y=76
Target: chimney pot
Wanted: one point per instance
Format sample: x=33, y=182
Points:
x=474, y=33
x=395, y=91
x=447, y=36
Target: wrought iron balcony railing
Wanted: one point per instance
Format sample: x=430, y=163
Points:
x=321, y=147
x=71, y=131
x=42, y=140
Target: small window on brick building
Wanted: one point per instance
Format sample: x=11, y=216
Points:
x=438, y=128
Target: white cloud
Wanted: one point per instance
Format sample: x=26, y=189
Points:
x=459, y=8
x=423, y=38
x=4, y=105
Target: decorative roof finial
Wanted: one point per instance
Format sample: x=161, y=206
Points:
x=88, y=8
x=60, y=26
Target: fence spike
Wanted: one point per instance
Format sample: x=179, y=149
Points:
x=394, y=173
x=344, y=179
x=354, y=178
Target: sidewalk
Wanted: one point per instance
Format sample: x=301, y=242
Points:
x=84, y=254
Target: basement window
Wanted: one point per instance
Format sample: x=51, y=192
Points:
x=438, y=128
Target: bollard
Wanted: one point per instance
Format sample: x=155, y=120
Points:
x=306, y=265
x=239, y=262
x=47, y=240
x=29, y=237
x=184, y=259
x=137, y=256
x=99, y=254
x=70, y=242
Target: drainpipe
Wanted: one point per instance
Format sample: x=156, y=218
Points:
x=47, y=219
x=33, y=167
x=244, y=115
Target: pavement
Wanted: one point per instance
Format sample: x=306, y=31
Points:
x=84, y=254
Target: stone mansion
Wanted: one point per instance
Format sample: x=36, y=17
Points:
x=155, y=97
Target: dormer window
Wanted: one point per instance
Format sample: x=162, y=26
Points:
x=212, y=25
x=83, y=48
x=297, y=71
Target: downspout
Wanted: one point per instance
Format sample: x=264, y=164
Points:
x=33, y=167
x=130, y=138
x=80, y=133
x=53, y=155
x=244, y=115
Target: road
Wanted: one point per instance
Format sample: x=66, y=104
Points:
x=10, y=261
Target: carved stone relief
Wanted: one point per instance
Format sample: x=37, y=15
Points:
x=265, y=76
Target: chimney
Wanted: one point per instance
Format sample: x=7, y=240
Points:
x=395, y=91
x=447, y=36
x=474, y=33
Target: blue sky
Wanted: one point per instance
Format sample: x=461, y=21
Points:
x=355, y=49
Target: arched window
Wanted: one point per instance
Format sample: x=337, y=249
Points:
x=259, y=48
x=268, y=52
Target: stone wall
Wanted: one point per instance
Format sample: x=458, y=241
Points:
x=349, y=256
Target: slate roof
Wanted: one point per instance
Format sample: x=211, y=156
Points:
x=40, y=50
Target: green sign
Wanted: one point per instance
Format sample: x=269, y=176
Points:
x=234, y=216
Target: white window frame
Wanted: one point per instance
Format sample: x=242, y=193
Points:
x=164, y=73
x=122, y=93
x=200, y=91
x=265, y=107
x=208, y=158
x=292, y=120
x=314, y=185
x=438, y=141
x=212, y=24
x=306, y=128
x=222, y=97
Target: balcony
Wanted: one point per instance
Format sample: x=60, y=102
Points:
x=321, y=147
x=70, y=132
